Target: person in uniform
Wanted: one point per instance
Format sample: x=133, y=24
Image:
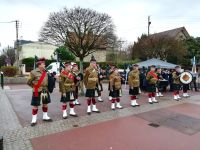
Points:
x=77, y=79
x=115, y=88
x=151, y=79
x=90, y=81
x=134, y=84
x=176, y=82
x=38, y=80
x=159, y=85
x=110, y=72
x=67, y=90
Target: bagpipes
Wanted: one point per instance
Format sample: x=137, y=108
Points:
x=78, y=78
x=51, y=81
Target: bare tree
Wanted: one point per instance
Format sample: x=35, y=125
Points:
x=82, y=31
x=163, y=47
x=8, y=56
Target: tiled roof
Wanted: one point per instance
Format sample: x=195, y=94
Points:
x=172, y=32
x=22, y=42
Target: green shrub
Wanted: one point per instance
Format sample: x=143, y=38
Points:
x=9, y=71
x=29, y=62
x=129, y=62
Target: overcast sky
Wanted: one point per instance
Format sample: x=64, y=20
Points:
x=129, y=16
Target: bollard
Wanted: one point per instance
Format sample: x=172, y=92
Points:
x=1, y=142
x=2, y=80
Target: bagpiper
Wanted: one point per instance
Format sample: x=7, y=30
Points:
x=78, y=78
x=90, y=81
x=134, y=84
x=176, y=82
x=115, y=88
x=38, y=80
x=152, y=79
x=159, y=85
x=67, y=89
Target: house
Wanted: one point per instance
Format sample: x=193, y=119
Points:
x=38, y=48
x=99, y=54
x=177, y=33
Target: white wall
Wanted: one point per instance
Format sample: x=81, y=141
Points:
x=100, y=56
x=39, y=49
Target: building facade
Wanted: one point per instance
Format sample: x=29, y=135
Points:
x=31, y=48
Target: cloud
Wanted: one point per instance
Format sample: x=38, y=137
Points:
x=129, y=16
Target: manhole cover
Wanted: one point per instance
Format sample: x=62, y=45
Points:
x=154, y=125
x=75, y=125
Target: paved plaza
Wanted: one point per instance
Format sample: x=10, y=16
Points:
x=168, y=125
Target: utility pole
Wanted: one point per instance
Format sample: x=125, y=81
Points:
x=149, y=23
x=17, y=43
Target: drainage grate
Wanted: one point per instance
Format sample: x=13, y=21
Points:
x=154, y=125
x=75, y=125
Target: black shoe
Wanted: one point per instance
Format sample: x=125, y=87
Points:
x=100, y=101
x=78, y=104
x=65, y=117
x=138, y=105
x=150, y=102
x=119, y=108
x=73, y=115
x=96, y=111
x=47, y=120
x=33, y=124
x=89, y=113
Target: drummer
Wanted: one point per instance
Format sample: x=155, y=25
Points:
x=186, y=87
x=159, y=85
x=176, y=82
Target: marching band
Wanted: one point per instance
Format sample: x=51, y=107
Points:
x=70, y=78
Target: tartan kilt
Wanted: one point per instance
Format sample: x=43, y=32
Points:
x=68, y=97
x=134, y=91
x=186, y=87
x=109, y=93
x=36, y=101
x=116, y=93
x=76, y=93
x=151, y=88
x=159, y=86
x=91, y=93
x=100, y=87
x=176, y=87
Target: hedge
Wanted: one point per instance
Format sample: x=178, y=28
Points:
x=9, y=71
x=29, y=62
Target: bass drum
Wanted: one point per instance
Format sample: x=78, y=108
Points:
x=186, y=77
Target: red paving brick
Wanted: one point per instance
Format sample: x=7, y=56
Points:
x=20, y=99
x=129, y=133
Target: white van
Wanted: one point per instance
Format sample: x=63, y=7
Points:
x=54, y=67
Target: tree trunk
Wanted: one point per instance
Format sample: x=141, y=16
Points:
x=81, y=70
